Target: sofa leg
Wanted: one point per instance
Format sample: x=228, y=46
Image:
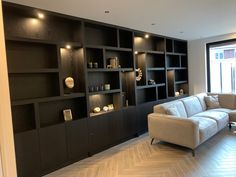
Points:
x=193, y=152
x=230, y=125
x=152, y=141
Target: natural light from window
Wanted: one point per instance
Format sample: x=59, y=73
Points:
x=223, y=68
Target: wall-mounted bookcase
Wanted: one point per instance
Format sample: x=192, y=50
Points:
x=102, y=59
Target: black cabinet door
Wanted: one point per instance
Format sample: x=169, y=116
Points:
x=99, y=132
x=77, y=139
x=129, y=122
x=142, y=112
x=27, y=154
x=53, y=147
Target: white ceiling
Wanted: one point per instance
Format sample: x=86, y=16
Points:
x=185, y=19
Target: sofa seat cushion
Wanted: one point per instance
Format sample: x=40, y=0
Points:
x=222, y=110
x=207, y=127
x=192, y=105
x=221, y=118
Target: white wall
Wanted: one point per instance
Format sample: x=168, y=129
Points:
x=7, y=154
x=197, y=62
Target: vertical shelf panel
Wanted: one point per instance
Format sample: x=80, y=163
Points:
x=171, y=83
x=128, y=90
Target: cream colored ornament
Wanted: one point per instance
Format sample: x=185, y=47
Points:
x=105, y=108
x=69, y=82
x=96, y=110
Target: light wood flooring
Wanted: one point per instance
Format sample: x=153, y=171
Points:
x=137, y=158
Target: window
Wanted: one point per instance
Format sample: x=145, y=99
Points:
x=221, y=66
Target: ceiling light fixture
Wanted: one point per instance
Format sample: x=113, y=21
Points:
x=153, y=24
x=146, y=36
x=107, y=11
x=41, y=15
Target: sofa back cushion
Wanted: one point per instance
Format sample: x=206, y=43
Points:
x=200, y=97
x=226, y=100
x=192, y=105
x=162, y=108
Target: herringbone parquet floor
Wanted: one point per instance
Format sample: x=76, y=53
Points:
x=137, y=158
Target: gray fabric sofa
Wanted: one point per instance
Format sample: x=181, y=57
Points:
x=195, y=123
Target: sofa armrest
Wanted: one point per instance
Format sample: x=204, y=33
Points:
x=177, y=130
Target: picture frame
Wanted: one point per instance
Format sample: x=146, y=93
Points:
x=67, y=114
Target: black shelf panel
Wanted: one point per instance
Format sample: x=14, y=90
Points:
x=110, y=70
x=125, y=39
x=146, y=95
x=181, y=82
x=101, y=113
x=174, y=53
x=150, y=86
x=177, y=68
x=155, y=69
x=64, y=97
x=105, y=92
x=32, y=71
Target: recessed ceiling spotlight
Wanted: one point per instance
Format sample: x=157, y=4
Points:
x=136, y=52
x=107, y=11
x=41, y=15
x=153, y=24
x=68, y=46
x=181, y=32
x=146, y=36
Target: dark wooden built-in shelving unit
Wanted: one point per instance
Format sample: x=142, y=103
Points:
x=42, y=53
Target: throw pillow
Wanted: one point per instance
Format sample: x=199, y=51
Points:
x=212, y=101
x=172, y=110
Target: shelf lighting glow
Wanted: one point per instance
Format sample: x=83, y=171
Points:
x=136, y=52
x=146, y=36
x=68, y=46
x=41, y=15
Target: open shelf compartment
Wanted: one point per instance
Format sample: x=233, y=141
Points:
x=101, y=100
x=100, y=35
x=50, y=114
x=72, y=65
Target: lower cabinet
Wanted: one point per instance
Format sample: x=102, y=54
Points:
x=142, y=112
x=27, y=154
x=129, y=122
x=77, y=139
x=53, y=147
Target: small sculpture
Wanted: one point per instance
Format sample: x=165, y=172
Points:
x=69, y=82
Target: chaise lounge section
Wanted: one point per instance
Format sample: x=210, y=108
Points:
x=192, y=120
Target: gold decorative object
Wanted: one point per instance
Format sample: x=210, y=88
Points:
x=96, y=110
x=139, y=74
x=67, y=114
x=114, y=62
x=110, y=107
x=176, y=93
x=69, y=82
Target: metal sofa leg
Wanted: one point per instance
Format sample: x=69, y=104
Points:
x=230, y=125
x=152, y=141
x=193, y=152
